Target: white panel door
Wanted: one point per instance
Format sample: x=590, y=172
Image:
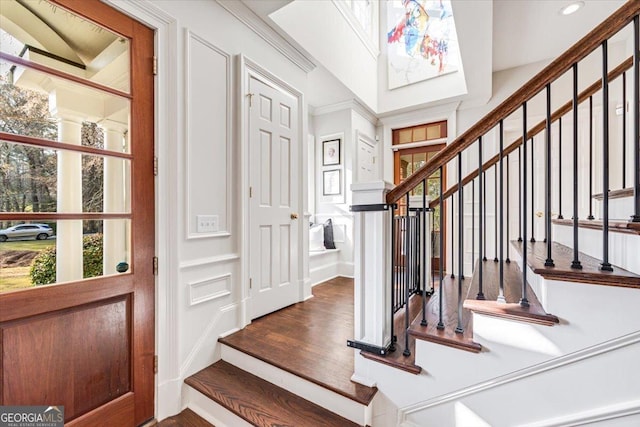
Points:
x=274, y=206
x=366, y=160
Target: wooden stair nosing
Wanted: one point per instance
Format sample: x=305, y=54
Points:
x=511, y=309
x=615, y=194
x=411, y=368
x=257, y=401
x=589, y=274
x=624, y=227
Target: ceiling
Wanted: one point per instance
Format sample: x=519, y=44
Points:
x=530, y=31
x=523, y=32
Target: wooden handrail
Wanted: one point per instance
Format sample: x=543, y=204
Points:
x=541, y=126
x=549, y=74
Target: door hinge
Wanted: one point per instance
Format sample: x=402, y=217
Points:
x=155, y=364
x=250, y=283
x=155, y=65
x=250, y=192
x=155, y=265
x=155, y=166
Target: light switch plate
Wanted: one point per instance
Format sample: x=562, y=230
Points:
x=207, y=223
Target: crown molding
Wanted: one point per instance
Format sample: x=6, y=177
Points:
x=268, y=34
x=351, y=104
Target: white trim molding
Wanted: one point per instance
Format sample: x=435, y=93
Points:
x=189, y=37
x=558, y=362
x=209, y=261
x=207, y=289
x=352, y=104
x=268, y=34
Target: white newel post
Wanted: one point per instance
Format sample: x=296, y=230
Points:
x=372, y=258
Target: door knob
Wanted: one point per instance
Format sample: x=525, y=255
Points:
x=294, y=215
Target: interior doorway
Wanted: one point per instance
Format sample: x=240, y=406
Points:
x=423, y=142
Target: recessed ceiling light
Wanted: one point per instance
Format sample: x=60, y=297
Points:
x=571, y=7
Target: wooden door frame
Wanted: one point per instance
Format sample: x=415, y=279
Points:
x=248, y=69
x=140, y=401
x=396, y=181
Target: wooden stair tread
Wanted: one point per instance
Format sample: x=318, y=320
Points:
x=619, y=226
x=186, y=418
x=511, y=309
x=258, y=401
x=309, y=340
x=562, y=257
x=615, y=194
x=447, y=336
x=396, y=358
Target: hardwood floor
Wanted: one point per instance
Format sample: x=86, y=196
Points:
x=186, y=418
x=259, y=402
x=309, y=339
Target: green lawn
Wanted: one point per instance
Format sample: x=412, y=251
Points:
x=13, y=278
x=26, y=245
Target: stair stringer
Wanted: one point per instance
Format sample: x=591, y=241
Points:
x=556, y=392
x=589, y=315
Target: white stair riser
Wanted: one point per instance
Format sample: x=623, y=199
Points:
x=624, y=249
x=211, y=411
x=620, y=208
x=343, y=406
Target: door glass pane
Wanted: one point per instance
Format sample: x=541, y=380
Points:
x=41, y=32
x=31, y=177
x=90, y=248
x=406, y=167
x=35, y=104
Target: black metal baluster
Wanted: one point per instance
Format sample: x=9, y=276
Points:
x=423, y=249
x=635, y=217
x=520, y=190
x=508, y=260
x=605, y=265
x=406, y=351
x=624, y=130
x=440, y=325
x=560, y=168
x=481, y=254
x=576, y=262
x=591, y=158
x=452, y=248
x=501, y=275
x=433, y=248
x=533, y=193
x=473, y=223
x=495, y=213
x=524, y=302
x=459, y=328
x=392, y=347
x=547, y=182
x=484, y=211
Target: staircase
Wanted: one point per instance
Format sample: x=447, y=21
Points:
x=533, y=319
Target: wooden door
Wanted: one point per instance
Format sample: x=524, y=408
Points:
x=406, y=162
x=84, y=337
x=274, y=205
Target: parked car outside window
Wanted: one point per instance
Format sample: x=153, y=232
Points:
x=26, y=231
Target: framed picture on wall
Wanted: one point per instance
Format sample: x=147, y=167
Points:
x=331, y=152
x=331, y=182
